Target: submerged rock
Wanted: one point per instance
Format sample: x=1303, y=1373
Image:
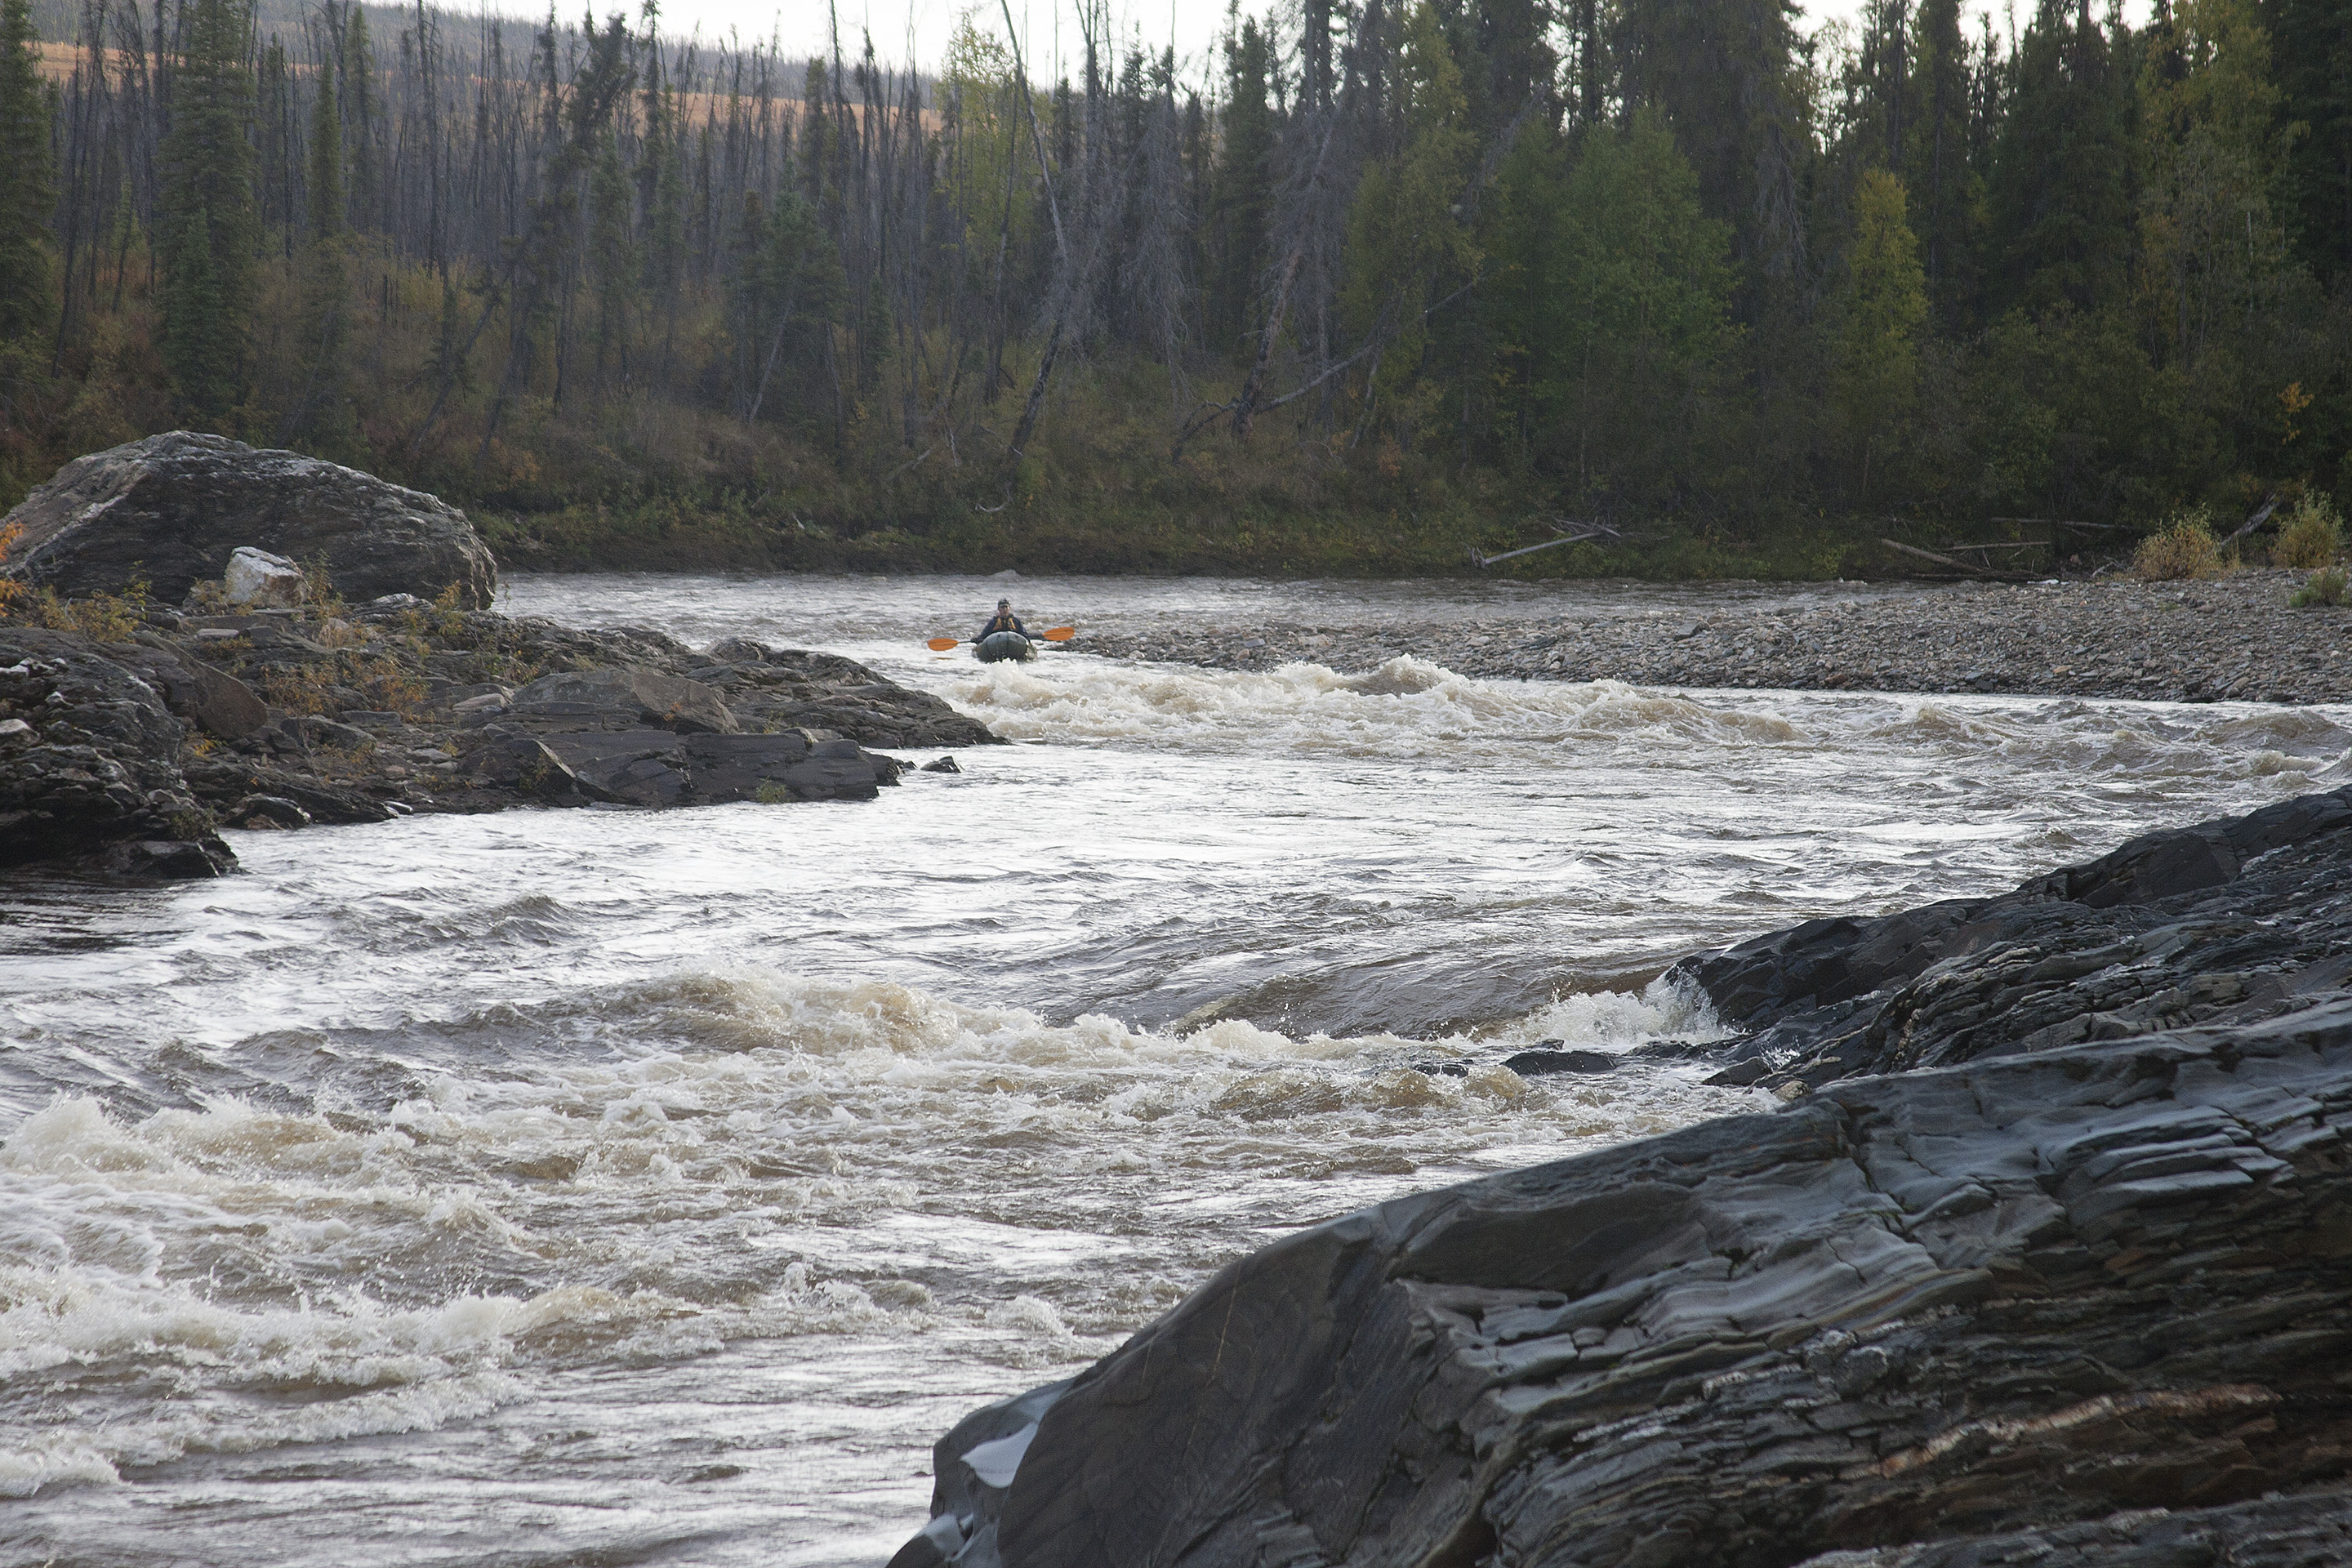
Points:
x=2085, y=1300
x=172, y=509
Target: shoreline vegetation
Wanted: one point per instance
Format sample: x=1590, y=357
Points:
x=1365, y=291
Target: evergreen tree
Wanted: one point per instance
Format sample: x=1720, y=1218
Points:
x=2211, y=248
x=2313, y=49
x=360, y=112
x=612, y=253
x=26, y=195
x=2061, y=190
x=1239, y=194
x=211, y=232
x=1640, y=322
x=1882, y=305
x=326, y=170
x=1945, y=184
x=1404, y=234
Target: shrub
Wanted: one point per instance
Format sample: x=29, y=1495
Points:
x=13, y=590
x=2313, y=534
x=298, y=688
x=102, y=617
x=391, y=687
x=2324, y=587
x=2184, y=548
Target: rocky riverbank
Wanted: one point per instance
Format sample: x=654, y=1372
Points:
x=132, y=730
x=2232, y=638
x=129, y=755
x=2046, y=1257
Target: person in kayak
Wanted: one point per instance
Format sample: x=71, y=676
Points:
x=1004, y=638
x=1005, y=620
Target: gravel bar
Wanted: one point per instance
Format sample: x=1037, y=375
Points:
x=2233, y=639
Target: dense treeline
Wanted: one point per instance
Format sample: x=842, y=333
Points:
x=1391, y=276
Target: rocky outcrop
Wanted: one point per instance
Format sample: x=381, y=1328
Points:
x=2036, y=1300
x=88, y=765
x=790, y=687
x=288, y=717
x=2226, y=923
x=170, y=511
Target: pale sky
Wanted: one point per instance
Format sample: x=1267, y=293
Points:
x=923, y=25
x=1048, y=28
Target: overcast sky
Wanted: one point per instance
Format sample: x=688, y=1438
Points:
x=921, y=26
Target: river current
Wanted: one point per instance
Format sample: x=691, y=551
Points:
x=609, y=1186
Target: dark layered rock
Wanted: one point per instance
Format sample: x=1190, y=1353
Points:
x=88, y=765
x=794, y=689
x=622, y=696
x=2224, y=922
x=667, y=768
x=168, y=510
x=2042, y=1300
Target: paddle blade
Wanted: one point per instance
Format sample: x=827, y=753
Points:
x=1058, y=634
x=941, y=645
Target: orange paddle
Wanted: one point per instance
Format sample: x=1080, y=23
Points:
x=1051, y=634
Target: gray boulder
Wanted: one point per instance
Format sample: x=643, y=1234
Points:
x=171, y=510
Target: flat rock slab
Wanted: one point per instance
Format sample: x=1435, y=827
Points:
x=660, y=768
x=171, y=510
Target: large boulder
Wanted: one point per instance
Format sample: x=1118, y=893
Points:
x=2074, y=1289
x=170, y=510
x=88, y=765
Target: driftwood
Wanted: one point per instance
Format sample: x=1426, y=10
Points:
x=1583, y=533
x=1971, y=567
x=2261, y=515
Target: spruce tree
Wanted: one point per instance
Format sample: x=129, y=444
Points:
x=1945, y=187
x=211, y=232
x=326, y=172
x=2062, y=187
x=2313, y=49
x=1239, y=194
x=27, y=197
x=359, y=105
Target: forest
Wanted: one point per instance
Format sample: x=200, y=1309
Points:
x=1377, y=286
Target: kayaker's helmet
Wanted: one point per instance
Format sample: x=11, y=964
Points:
x=1003, y=603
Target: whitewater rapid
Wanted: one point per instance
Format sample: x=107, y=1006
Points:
x=659, y=1186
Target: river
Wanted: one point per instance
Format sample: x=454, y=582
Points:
x=556, y=1187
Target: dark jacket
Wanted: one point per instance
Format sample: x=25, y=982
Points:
x=1002, y=624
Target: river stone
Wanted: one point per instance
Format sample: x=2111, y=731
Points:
x=626, y=697
x=171, y=510
x=2085, y=1302
x=255, y=578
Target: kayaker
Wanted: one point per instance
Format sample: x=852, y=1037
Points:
x=1005, y=620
